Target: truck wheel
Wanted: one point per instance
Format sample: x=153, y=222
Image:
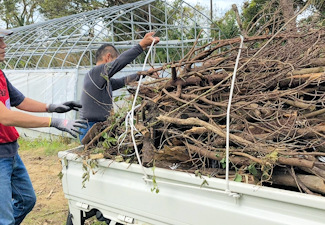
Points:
x=69, y=219
x=82, y=219
x=100, y=217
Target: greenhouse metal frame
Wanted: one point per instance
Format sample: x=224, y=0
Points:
x=47, y=61
x=71, y=41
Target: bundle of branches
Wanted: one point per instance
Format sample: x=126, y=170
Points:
x=277, y=133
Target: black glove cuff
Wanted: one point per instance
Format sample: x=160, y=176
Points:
x=48, y=108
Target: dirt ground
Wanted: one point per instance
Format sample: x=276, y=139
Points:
x=51, y=206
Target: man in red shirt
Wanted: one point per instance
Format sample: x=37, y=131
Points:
x=16, y=191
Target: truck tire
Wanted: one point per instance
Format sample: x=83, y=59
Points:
x=69, y=219
x=98, y=215
x=101, y=218
x=83, y=219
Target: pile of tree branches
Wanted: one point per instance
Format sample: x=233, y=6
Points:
x=277, y=133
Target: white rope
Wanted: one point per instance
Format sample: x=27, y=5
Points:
x=130, y=116
x=228, y=113
x=123, y=136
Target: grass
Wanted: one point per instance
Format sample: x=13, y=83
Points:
x=48, y=146
x=48, y=210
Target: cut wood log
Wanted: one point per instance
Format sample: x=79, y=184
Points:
x=194, y=121
x=308, y=71
x=196, y=130
x=313, y=183
x=315, y=170
x=148, y=150
x=299, y=104
x=172, y=154
x=92, y=132
x=236, y=160
x=318, y=62
x=144, y=131
x=276, y=113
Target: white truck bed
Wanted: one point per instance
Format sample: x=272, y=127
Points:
x=120, y=192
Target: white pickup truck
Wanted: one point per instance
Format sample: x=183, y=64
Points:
x=122, y=194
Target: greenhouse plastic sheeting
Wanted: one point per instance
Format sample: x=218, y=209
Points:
x=48, y=86
x=57, y=86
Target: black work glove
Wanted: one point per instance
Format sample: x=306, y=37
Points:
x=70, y=126
x=64, y=107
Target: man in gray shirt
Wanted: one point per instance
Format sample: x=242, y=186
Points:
x=96, y=96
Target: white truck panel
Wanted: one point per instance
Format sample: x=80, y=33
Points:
x=121, y=192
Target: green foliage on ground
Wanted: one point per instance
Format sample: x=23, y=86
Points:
x=48, y=146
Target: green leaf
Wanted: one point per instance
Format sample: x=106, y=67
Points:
x=119, y=158
x=65, y=161
x=197, y=173
x=252, y=170
x=106, y=144
x=104, y=135
x=204, y=182
x=60, y=175
x=238, y=178
x=111, y=140
x=223, y=163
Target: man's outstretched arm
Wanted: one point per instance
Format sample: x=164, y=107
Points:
x=131, y=54
x=25, y=120
x=31, y=105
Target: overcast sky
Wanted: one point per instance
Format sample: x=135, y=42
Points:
x=219, y=6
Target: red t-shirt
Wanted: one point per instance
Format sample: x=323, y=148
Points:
x=7, y=134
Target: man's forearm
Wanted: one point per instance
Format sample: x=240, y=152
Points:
x=124, y=59
x=131, y=78
x=121, y=82
x=20, y=119
x=31, y=105
x=25, y=120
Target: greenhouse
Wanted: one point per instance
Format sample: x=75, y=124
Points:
x=47, y=60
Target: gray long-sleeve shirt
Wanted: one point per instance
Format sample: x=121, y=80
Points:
x=96, y=96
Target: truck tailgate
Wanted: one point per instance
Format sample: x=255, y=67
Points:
x=122, y=193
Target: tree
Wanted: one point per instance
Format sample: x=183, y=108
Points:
x=17, y=13
x=319, y=5
x=57, y=8
x=261, y=16
x=266, y=17
x=288, y=13
x=51, y=9
x=227, y=25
